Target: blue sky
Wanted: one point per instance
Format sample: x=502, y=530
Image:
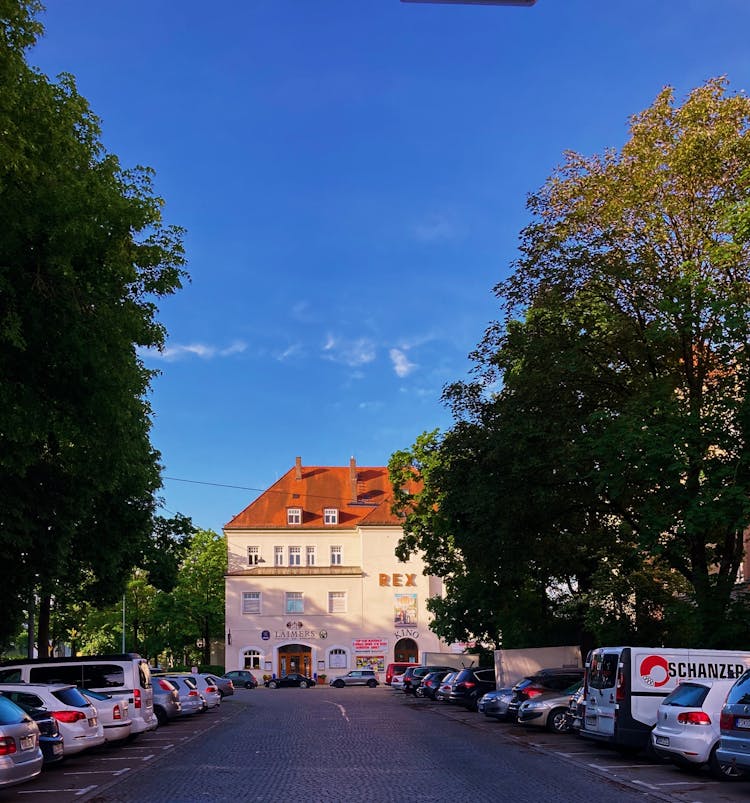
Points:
x=352, y=175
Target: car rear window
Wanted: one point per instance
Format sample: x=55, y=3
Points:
x=687, y=695
x=71, y=696
x=739, y=694
x=10, y=713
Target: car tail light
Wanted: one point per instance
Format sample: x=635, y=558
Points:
x=116, y=713
x=68, y=716
x=620, y=690
x=531, y=692
x=164, y=684
x=211, y=689
x=7, y=745
x=137, y=698
x=468, y=684
x=694, y=718
x=726, y=723
x=193, y=693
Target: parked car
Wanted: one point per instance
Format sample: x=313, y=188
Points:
x=545, y=680
x=121, y=674
x=549, y=710
x=77, y=719
x=167, y=704
x=430, y=684
x=20, y=755
x=242, y=677
x=414, y=674
x=290, y=680
x=687, y=729
x=397, y=668
x=443, y=692
x=208, y=687
x=494, y=703
x=224, y=684
x=734, y=748
x=357, y=677
x=470, y=685
x=112, y=713
x=50, y=738
x=190, y=699
x=397, y=681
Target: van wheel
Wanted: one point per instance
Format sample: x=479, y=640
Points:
x=557, y=721
x=723, y=771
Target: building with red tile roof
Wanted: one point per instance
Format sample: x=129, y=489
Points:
x=313, y=583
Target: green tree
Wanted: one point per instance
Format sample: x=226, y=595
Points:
x=84, y=255
x=600, y=455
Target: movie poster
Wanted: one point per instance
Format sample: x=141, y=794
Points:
x=405, y=610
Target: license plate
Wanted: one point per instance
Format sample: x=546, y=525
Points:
x=92, y=722
x=662, y=740
x=590, y=720
x=742, y=722
x=27, y=742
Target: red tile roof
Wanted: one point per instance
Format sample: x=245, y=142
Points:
x=362, y=495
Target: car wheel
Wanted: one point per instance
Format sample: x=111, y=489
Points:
x=249, y=685
x=161, y=715
x=372, y=683
x=723, y=771
x=272, y=684
x=557, y=721
x=339, y=684
x=302, y=684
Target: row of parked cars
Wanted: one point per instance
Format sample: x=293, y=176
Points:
x=701, y=722
x=52, y=709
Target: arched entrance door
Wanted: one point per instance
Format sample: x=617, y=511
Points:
x=295, y=658
x=406, y=651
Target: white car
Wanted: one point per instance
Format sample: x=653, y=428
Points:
x=113, y=714
x=209, y=688
x=397, y=682
x=687, y=725
x=77, y=719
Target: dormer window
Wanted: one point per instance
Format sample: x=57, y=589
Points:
x=294, y=516
x=330, y=516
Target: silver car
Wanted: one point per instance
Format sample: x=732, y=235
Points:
x=20, y=755
x=167, y=705
x=357, y=677
x=549, y=709
x=191, y=700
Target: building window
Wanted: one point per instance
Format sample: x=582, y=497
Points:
x=337, y=659
x=293, y=516
x=330, y=516
x=253, y=555
x=337, y=602
x=251, y=659
x=294, y=602
x=251, y=602
x=311, y=556
x=278, y=556
x=336, y=556
x=295, y=555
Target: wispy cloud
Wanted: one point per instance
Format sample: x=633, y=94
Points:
x=201, y=350
x=349, y=352
x=436, y=229
x=401, y=363
x=295, y=350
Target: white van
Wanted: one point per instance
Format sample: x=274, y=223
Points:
x=624, y=686
x=122, y=675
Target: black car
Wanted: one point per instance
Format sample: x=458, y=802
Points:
x=430, y=684
x=414, y=674
x=545, y=680
x=470, y=685
x=292, y=679
x=50, y=738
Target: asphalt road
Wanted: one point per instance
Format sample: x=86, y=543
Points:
x=359, y=745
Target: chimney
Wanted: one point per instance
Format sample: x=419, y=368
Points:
x=298, y=469
x=353, y=478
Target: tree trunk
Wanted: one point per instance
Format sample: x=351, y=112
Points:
x=45, y=605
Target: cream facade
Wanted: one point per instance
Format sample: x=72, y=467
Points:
x=324, y=592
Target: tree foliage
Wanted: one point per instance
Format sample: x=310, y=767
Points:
x=599, y=461
x=84, y=254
